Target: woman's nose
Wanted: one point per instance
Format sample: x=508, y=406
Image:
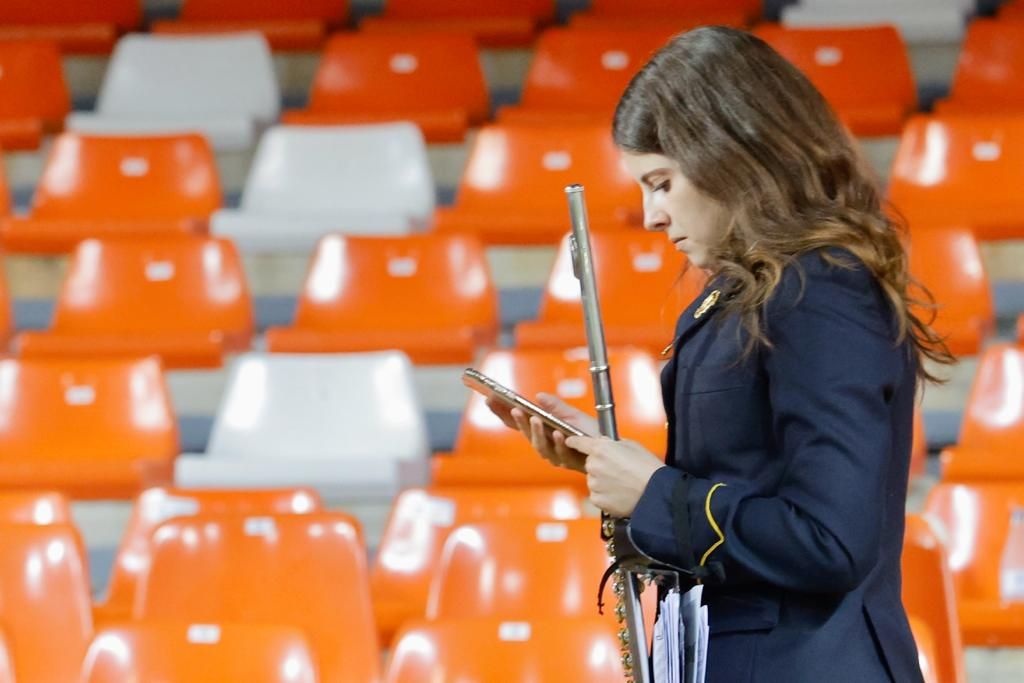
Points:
x=655, y=220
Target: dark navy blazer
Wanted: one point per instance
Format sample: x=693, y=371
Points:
x=789, y=469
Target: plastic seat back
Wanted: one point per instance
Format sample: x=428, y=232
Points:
x=418, y=525
x=44, y=601
x=199, y=653
x=952, y=170
x=538, y=10
x=159, y=504
x=33, y=507
x=626, y=262
x=496, y=650
x=34, y=98
x=319, y=407
x=357, y=293
x=994, y=418
x=332, y=12
x=118, y=430
x=519, y=569
x=93, y=178
x=341, y=171
x=158, y=77
x=365, y=74
x=125, y=14
x=989, y=71
x=184, y=298
x=586, y=70
x=303, y=571
x=635, y=379
x=842, y=64
x=975, y=519
x=930, y=597
x=511, y=190
x=947, y=261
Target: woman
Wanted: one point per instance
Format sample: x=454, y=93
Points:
x=791, y=380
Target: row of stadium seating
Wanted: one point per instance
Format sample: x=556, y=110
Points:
x=225, y=86
x=199, y=570
x=186, y=298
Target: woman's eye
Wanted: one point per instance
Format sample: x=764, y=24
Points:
x=661, y=188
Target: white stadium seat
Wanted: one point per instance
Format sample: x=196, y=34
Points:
x=919, y=21
x=349, y=425
x=222, y=86
x=307, y=181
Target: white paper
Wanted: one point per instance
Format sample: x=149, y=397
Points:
x=702, y=645
x=690, y=632
x=659, y=660
x=680, y=641
x=666, y=640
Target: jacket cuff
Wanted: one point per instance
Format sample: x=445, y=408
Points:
x=679, y=520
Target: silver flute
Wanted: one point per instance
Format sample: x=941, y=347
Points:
x=627, y=583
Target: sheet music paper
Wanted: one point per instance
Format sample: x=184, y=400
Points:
x=681, y=638
x=666, y=661
x=702, y=645
x=659, y=656
x=691, y=630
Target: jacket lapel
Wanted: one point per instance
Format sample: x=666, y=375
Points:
x=697, y=313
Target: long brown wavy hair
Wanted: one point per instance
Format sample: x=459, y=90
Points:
x=751, y=132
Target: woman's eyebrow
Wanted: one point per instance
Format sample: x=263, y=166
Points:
x=646, y=177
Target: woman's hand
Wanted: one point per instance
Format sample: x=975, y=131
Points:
x=617, y=471
x=550, y=444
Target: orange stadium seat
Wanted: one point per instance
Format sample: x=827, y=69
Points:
x=305, y=571
x=157, y=505
x=1011, y=9
x=286, y=25
x=358, y=292
x=948, y=263
x=199, y=653
x=418, y=526
x=843, y=64
x=579, y=75
x=34, y=507
x=44, y=601
x=105, y=186
x=431, y=79
x=926, y=651
x=520, y=569
x=976, y=521
x=626, y=262
x=5, y=197
x=489, y=453
x=498, y=651
x=511, y=192
x=496, y=23
x=79, y=27
x=679, y=15
x=990, y=69
x=117, y=430
x=930, y=598
x=182, y=298
x=954, y=170
x=6, y=312
x=992, y=432
x=33, y=96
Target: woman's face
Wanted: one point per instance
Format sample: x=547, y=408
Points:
x=693, y=222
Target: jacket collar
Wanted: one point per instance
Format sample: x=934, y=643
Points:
x=700, y=310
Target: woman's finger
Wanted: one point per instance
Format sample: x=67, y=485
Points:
x=502, y=411
x=541, y=442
